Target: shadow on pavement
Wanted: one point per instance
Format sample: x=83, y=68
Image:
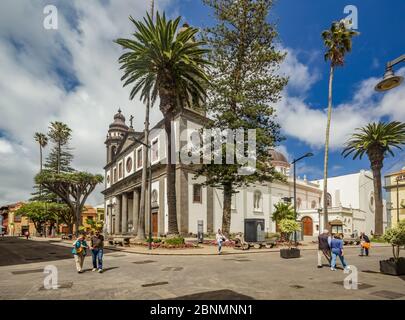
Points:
x=215, y=295
x=17, y=251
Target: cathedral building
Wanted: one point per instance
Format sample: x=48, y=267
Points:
x=196, y=203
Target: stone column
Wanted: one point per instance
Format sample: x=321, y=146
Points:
x=110, y=219
x=118, y=214
x=135, y=211
x=124, y=221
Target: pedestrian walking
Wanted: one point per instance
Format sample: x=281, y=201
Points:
x=324, y=247
x=336, y=246
x=220, y=239
x=97, y=251
x=365, y=244
x=79, y=251
x=27, y=234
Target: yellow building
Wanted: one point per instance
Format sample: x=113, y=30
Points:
x=395, y=187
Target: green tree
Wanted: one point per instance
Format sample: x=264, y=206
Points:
x=162, y=62
x=37, y=212
x=396, y=237
x=283, y=211
x=245, y=85
x=60, y=134
x=338, y=42
x=377, y=140
x=73, y=188
x=289, y=226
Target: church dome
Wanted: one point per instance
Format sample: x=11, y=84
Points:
x=278, y=159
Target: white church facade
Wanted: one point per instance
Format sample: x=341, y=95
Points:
x=350, y=195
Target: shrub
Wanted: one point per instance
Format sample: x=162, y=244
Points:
x=154, y=240
x=288, y=226
x=176, y=241
x=396, y=237
x=273, y=235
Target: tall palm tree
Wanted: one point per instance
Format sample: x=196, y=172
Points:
x=338, y=42
x=377, y=141
x=60, y=134
x=42, y=140
x=162, y=62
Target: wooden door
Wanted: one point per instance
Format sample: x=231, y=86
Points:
x=308, y=226
x=154, y=224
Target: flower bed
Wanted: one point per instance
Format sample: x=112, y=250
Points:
x=228, y=243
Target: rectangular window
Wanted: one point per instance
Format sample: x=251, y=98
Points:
x=197, y=193
x=139, y=158
x=155, y=150
x=120, y=171
x=115, y=174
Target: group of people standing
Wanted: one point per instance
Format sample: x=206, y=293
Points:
x=80, y=249
x=331, y=247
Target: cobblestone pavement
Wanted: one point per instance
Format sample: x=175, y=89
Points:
x=135, y=276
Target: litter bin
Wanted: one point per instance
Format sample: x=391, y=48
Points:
x=254, y=230
x=200, y=231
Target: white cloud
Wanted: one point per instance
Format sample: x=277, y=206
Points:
x=300, y=120
x=34, y=65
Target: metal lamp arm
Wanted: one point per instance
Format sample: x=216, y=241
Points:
x=392, y=63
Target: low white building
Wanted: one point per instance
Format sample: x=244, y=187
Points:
x=351, y=201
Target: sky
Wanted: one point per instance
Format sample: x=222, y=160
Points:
x=72, y=75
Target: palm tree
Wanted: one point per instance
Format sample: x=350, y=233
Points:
x=60, y=134
x=42, y=140
x=164, y=63
x=377, y=141
x=338, y=42
x=283, y=211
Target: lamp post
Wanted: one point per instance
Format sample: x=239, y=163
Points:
x=149, y=187
x=390, y=80
x=309, y=154
x=319, y=219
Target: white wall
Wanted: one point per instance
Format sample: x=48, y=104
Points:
x=196, y=211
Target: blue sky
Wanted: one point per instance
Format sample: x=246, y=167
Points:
x=300, y=24
x=72, y=75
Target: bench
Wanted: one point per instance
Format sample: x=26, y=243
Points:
x=122, y=241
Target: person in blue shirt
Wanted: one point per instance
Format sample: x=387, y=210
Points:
x=336, y=246
x=79, y=251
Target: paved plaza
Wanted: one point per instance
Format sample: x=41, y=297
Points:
x=137, y=276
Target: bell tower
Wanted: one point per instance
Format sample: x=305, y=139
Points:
x=116, y=132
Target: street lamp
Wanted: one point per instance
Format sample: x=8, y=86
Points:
x=390, y=80
x=319, y=220
x=150, y=188
x=309, y=154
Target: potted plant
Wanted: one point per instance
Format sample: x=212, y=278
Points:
x=396, y=237
x=288, y=227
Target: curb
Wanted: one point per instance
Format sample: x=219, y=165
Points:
x=241, y=252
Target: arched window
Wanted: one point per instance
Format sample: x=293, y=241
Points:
x=257, y=200
x=329, y=200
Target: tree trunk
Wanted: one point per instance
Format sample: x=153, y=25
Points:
x=326, y=159
x=376, y=168
x=142, y=212
x=40, y=171
x=70, y=228
x=171, y=178
x=77, y=220
x=59, y=151
x=226, y=215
